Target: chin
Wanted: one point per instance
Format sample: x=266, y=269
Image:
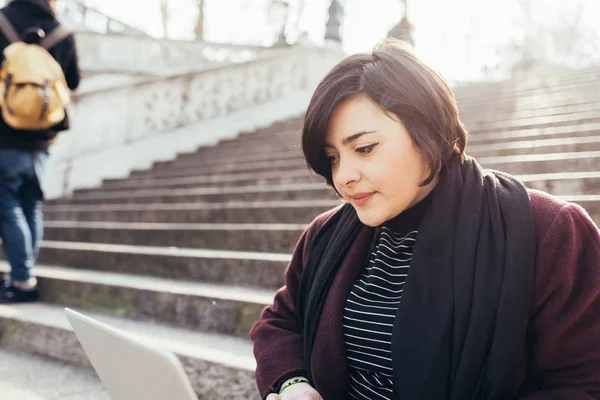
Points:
x=370, y=218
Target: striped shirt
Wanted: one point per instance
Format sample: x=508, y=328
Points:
x=371, y=307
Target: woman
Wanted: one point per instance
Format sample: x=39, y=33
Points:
x=436, y=279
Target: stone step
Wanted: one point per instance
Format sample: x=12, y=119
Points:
x=298, y=163
x=513, y=92
x=201, y=307
x=305, y=191
x=541, y=146
x=276, y=238
x=217, y=365
x=297, y=212
x=301, y=211
x=528, y=82
x=531, y=101
x=200, y=162
x=290, y=128
x=570, y=144
x=526, y=103
x=558, y=132
x=583, y=182
x=493, y=112
x=271, y=145
x=228, y=167
x=496, y=116
x=32, y=377
x=519, y=164
x=482, y=121
x=272, y=148
x=273, y=238
x=197, y=182
x=544, y=163
x=251, y=139
x=559, y=184
x=538, y=122
x=258, y=179
x=236, y=268
x=291, y=142
x=281, y=126
x=521, y=147
x=564, y=183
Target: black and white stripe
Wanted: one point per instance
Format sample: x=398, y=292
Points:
x=369, y=315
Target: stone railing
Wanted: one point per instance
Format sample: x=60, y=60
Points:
x=128, y=127
x=109, y=45
x=85, y=16
x=143, y=54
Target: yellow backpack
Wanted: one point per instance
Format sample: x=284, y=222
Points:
x=33, y=88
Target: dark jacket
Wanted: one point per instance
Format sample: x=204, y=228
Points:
x=562, y=357
x=24, y=14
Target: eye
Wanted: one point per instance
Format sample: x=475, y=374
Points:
x=333, y=158
x=366, y=149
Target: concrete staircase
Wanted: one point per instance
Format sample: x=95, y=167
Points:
x=186, y=254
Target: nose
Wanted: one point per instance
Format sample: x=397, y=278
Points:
x=346, y=173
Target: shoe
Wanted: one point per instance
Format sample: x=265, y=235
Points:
x=11, y=295
x=4, y=281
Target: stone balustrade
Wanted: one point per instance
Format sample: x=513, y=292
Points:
x=113, y=52
x=106, y=44
x=88, y=18
x=115, y=130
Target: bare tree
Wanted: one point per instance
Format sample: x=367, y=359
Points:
x=165, y=17
x=285, y=17
x=299, y=12
x=199, y=25
x=550, y=35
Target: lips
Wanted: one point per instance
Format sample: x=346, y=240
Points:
x=360, y=199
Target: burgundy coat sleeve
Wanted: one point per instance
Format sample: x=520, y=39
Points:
x=277, y=337
x=565, y=324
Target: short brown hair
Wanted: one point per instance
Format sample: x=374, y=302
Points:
x=401, y=84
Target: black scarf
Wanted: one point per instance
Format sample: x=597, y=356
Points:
x=462, y=323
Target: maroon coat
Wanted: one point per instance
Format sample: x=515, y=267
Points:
x=562, y=358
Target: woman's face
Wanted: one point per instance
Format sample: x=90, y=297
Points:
x=375, y=165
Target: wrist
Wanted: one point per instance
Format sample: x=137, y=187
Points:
x=291, y=382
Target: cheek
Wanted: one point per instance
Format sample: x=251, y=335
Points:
x=399, y=177
x=334, y=178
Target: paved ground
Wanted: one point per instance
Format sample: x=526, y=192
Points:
x=25, y=377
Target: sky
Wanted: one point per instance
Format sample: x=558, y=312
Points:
x=454, y=36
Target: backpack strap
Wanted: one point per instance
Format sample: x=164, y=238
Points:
x=8, y=30
x=59, y=34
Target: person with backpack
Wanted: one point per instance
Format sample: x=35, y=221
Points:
x=39, y=66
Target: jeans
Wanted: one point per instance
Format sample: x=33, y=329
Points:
x=21, y=199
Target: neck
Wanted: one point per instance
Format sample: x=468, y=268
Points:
x=425, y=190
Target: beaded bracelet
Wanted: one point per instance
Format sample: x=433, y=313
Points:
x=291, y=382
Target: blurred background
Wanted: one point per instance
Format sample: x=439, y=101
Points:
x=466, y=40
x=177, y=197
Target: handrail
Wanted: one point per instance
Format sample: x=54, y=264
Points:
x=95, y=19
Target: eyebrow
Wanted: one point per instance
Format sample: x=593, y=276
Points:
x=349, y=139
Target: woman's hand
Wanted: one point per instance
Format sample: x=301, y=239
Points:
x=299, y=391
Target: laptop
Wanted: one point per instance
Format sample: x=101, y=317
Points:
x=128, y=368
